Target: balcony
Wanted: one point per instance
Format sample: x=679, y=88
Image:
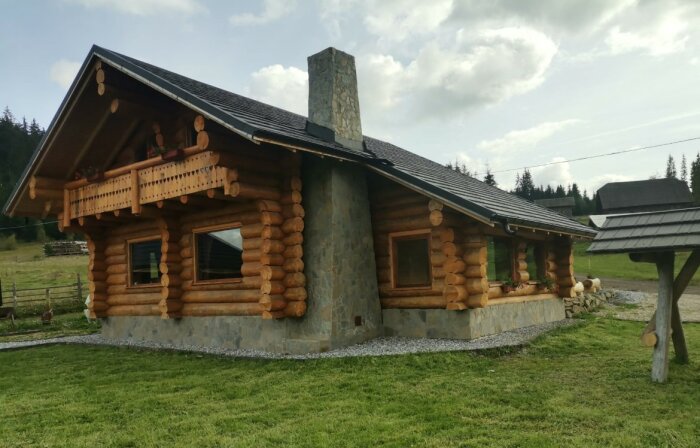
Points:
x=144, y=182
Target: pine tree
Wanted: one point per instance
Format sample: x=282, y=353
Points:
x=489, y=178
x=695, y=177
x=684, y=170
x=671, y=167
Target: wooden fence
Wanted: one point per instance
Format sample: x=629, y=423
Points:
x=34, y=301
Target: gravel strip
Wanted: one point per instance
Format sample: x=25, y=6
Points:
x=376, y=347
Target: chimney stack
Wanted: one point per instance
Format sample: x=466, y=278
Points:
x=334, y=106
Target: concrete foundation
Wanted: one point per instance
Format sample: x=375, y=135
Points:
x=471, y=323
x=283, y=336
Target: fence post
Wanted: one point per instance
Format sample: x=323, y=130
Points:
x=14, y=294
x=48, y=297
x=80, y=287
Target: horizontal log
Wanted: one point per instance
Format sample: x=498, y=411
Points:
x=293, y=265
x=477, y=285
x=116, y=279
x=96, y=276
x=273, y=304
x=271, y=233
x=454, y=265
x=45, y=194
x=294, y=280
x=476, y=256
x=252, y=230
x=170, y=280
x=227, y=296
x=268, y=206
x=116, y=268
x=293, y=225
x=478, y=300
x=251, y=178
x=295, y=309
x=414, y=302
x=115, y=249
x=455, y=293
x=272, y=273
x=252, y=283
x=434, y=205
x=272, y=259
x=252, y=243
x=293, y=239
x=251, y=256
x=293, y=252
x=295, y=294
x=293, y=211
x=251, y=269
x=388, y=290
x=456, y=306
x=290, y=197
x=221, y=309
x=241, y=190
x=273, y=247
x=388, y=214
x=454, y=279
x=133, y=299
x=272, y=287
x=133, y=310
x=117, y=289
x=475, y=271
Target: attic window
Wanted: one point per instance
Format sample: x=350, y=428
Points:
x=144, y=260
x=410, y=260
x=500, y=259
x=218, y=254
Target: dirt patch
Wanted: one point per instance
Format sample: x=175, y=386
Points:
x=689, y=306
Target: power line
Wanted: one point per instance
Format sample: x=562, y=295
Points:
x=624, y=151
x=28, y=225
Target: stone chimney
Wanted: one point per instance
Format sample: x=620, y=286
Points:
x=334, y=106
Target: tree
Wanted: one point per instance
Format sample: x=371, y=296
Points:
x=695, y=177
x=489, y=178
x=671, y=167
x=524, y=185
x=684, y=170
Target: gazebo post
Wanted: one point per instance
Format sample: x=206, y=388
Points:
x=664, y=309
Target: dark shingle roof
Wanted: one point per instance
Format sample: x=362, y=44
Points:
x=644, y=193
x=255, y=119
x=567, y=201
x=649, y=232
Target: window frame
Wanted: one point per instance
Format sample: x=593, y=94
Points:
x=129, y=243
x=195, y=254
x=409, y=235
x=512, y=243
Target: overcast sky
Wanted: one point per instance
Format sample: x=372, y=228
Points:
x=505, y=82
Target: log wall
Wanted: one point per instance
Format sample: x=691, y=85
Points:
x=458, y=253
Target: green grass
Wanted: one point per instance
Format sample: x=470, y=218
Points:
x=30, y=269
x=620, y=266
x=584, y=386
x=30, y=328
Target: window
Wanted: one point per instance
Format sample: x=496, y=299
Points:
x=144, y=258
x=535, y=261
x=500, y=260
x=411, y=261
x=219, y=254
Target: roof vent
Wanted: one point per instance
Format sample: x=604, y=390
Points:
x=334, y=106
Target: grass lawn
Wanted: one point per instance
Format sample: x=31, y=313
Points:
x=583, y=386
x=27, y=266
x=30, y=328
x=620, y=266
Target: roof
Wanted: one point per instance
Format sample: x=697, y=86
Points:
x=567, y=201
x=644, y=193
x=255, y=120
x=649, y=232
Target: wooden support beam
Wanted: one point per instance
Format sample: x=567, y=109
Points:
x=89, y=140
x=679, y=285
x=135, y=193
x=659, y=367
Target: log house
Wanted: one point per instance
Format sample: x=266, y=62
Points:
x=197, y=214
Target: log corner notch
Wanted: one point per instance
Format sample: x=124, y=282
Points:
x=466, y=285
x=170, y=267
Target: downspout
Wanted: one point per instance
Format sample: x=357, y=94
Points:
x=506, y=227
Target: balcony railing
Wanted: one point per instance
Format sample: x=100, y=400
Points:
x=145, y=182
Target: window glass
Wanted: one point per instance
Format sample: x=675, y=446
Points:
x=500, y=260
x=219, y=254
x=145, y=258
x=411, y=262
x=531, y=260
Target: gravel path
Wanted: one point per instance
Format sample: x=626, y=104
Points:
x=375, y=347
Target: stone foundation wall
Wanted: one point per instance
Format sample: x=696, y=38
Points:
x=586, y=302
x=471, y=323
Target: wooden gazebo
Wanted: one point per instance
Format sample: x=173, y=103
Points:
x=655, y=237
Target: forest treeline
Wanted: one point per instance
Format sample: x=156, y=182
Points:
x=18, y=139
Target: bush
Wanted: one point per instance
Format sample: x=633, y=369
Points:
x=8, y=242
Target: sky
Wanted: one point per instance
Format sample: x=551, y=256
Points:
x=502, y=84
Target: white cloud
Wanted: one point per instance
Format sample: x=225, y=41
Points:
x=397, y=20
x=63, y=71
x=525, y=139
x=557, y=174
x=477, y=68
x=145, y=7
x=666, y=36
x=284, y=87
x=272, y=10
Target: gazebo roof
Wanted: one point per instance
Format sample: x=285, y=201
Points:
x=649, y=232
